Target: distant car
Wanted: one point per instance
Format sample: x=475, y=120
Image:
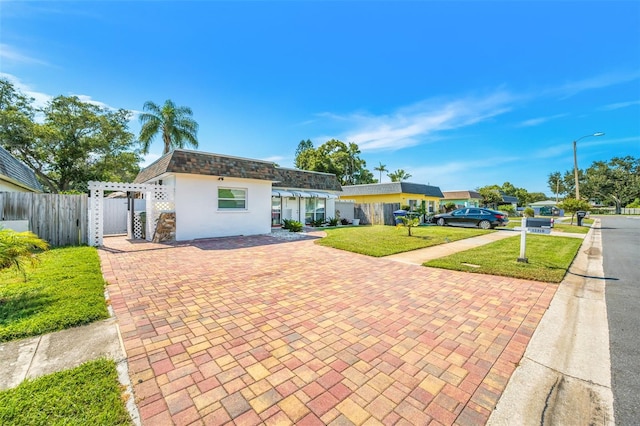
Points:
x=472, y=217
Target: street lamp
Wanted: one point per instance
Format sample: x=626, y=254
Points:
x=575, y=161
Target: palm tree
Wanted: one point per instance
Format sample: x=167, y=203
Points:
x=175, y=124
x=399, y=175
x=381, y=168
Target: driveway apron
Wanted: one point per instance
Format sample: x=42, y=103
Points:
x=256, y=330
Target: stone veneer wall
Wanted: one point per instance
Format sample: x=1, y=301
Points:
x=165, y=228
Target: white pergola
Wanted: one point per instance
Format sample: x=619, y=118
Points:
x=158, y=198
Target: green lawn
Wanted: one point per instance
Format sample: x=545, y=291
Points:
x=63, y=290
x=549, y=258
x=87, y=395
x=379, y=240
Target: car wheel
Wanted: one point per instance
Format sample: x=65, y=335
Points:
x=441, y=222
x=485, y=224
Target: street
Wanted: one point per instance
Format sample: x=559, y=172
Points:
x=620, y=243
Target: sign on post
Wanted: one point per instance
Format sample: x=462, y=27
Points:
x=532, y=225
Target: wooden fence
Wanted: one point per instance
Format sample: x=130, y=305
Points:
x=59, y=219
x=376, y=213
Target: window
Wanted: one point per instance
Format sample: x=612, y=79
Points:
x=314, y=209
x=232, y=199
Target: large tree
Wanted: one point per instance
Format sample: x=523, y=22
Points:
x=616, y=181
x=491, y=195
x=76, y=142
x=174, y=123
x=334, y=157
x=381, y=168
x=399, y=175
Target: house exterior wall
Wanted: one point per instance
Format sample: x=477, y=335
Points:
x=6, y=186
x=198, y=215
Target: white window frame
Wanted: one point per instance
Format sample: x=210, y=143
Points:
x=232, y=209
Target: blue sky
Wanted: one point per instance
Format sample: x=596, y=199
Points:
x=460, y=94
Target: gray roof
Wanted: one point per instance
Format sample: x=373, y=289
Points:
x=204, y=163
x=508, y=198
x=392, y=188
x=461, y=195
x=16, y=172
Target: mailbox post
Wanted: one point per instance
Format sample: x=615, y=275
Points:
x=531, y=225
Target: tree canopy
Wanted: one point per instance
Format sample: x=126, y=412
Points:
x=615, y=182
x=399, y=175
x=336, y=157
x=76, y=141
x=174, y=123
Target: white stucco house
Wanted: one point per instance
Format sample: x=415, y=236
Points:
x=218, y=195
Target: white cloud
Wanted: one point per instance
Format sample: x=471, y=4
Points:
x=9, y=54
x=598, y=82
x=421, y=122
x=620, y=105
x=539, y=120
x=148, y=159
x=40, y=98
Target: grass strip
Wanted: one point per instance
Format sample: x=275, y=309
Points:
x=86, y=395
x=380, y=240
x=549, y=258
x=65, y=289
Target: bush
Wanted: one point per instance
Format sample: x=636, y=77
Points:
x=17, y=248
x=333, y=221
x=528, y=212
x=344, y=221
x=450, y=206
x=294, y=226
x=508, y=209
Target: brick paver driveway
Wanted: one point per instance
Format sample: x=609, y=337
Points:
x=254, y=330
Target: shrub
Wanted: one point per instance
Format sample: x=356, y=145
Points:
x=528, y=212
x=16, y=248
x=286, y=223
x=450, y=206
x=333, y=221
x=344, y=221
x=317, y=222
x=294, y=226
x=508, y=209
x=409, y=222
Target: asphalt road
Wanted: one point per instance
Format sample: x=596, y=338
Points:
x=621, y=261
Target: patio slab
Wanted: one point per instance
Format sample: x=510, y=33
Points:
x=257, y=330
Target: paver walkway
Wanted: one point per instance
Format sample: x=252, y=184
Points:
x=253, y=330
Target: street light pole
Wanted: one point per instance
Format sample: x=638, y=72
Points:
x=575, y=160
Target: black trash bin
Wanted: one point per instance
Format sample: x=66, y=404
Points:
x=398, y=214
x=580, y=215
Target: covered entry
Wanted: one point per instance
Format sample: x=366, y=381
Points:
x=157, y=199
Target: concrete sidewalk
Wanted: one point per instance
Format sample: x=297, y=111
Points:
x=419, y=256
x=36, y=356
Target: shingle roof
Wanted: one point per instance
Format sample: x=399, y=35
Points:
x=392, y=188
x=303, y=179
x=16, y=172
x=204, y=163
x=461, y=195
x=508, y=198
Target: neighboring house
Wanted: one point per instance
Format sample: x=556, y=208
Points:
x=15, y=176
x=462, y=198
x=218, y=195
x=405, y=193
